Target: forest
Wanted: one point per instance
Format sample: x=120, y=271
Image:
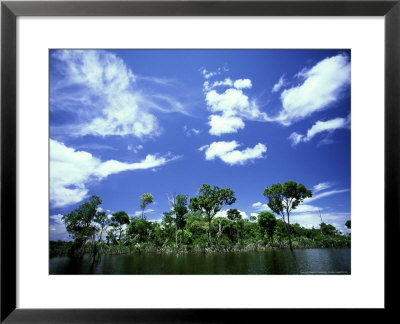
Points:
x=192, y=225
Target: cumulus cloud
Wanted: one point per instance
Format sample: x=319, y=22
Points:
x=224, y=124
x=226, y=151
x=322, y=85
x=243, y=84
x=230, y=108
x=100, y=90
x=225, y=83
x=72, y=170
x=277, y=86
x=320, y=127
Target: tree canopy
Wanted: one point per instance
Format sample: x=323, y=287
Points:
x=210, y=200
x=282, y=199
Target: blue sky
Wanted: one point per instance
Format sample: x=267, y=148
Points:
x=128, y=122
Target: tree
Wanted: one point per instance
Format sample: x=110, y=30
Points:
x=348, y=224
x=285, y=198
x=327, y=229
x=267, y=222
x=102, y=219
x=180, y=210
x=79, y=222
x=146, y=199
x=235, y=216
x=253, y=218
x=120, y=218
x=210, y=201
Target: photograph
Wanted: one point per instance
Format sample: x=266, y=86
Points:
x=199, y=161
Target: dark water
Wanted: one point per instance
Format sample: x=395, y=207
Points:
x=307, y=261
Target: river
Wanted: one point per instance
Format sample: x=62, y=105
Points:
x=302, y=261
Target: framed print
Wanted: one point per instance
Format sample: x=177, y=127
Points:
x=193, y=160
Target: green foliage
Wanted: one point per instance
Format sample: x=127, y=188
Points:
x=198, y=227
x=146, y=199
x=348, y=224
x=267, y=222
x=79, y=222
x=210, y=201
x=285, y=198
x=180, y=210
x=328, y=229
x=120, y=218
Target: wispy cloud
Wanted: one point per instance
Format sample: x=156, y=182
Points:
x=325, y=194
x=320, y=127
x=277, y=86
x=322, y=186
x=106, y=99
x=227, y=152
x=71, y=171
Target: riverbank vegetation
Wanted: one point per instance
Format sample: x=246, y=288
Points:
x=193, y=225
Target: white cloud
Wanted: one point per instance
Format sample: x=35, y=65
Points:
x=208, y=74
x=322, y=85
x=322, y=186
x=71, y=171
x=105, y=95
x=295, y=138
x=227, y=152
x=319, y=127
x=325, y=194
x=277, y=86
x=225, y=83
x=224, y=124
x=57, y=219
x=258, y=206
x=192, y=131
x=309, y=220
x=304, y=208
x=136, y=148
x=242, y=84
x=234, y=107
x=231, y=102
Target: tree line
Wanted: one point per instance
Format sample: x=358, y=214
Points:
x=191, y=223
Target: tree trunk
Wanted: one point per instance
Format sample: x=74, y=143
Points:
x=288, y=229
x=183, y=237
x=176, y=234
x=209, y=233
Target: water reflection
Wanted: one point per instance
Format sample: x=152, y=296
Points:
x=307, y=261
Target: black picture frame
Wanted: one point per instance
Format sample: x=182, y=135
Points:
x=10, y=10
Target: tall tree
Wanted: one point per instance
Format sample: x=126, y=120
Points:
x=180, y=211
x=235, y=216
x=210, y=201
x=80, y=222
x=121, y=218
x=103, y=221
x=146, y=199
x=172, y=202
x=282, y=199
x=267, y=222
